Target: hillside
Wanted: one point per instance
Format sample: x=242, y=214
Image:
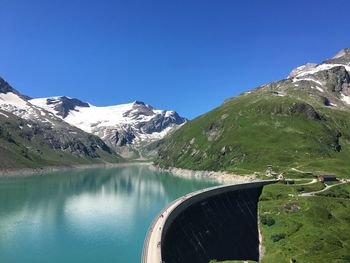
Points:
x=32, y=137
x=293, y=225
x=301, y=122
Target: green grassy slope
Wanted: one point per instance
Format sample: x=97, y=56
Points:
x=304, y=229
x=340, y=191
x=20, y=148
x=254, y=130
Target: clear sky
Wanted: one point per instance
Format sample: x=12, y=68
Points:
x=186, y=55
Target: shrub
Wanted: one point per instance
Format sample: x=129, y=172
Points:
x=278, y=237
x=346, y=258
x=300, y=189
x=269, y=221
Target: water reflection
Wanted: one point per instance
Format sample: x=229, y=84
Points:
x=95, y=215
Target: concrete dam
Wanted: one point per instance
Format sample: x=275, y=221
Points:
x=216, y=223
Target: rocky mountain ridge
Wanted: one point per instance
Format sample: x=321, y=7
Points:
x=35, y=129
x=125, y=128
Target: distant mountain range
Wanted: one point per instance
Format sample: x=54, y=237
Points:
x=301, y=123
x=63, y=130
x=125, y=128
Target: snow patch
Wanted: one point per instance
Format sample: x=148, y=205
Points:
x=319, y=89
x=12, y=99
x=313, y=80
x=345, y=98
x=309, y=71
x=42, y=103
x=3, y=114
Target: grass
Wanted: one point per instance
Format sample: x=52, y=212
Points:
x=249, y=132
x=305, y=229
x=231, y=261
x=303, y=181
x=340, y=191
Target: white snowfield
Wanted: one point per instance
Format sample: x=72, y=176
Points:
x=303, y=71
x=105, y=121
x=306, y=73
x=86, y=118
x=18, y=106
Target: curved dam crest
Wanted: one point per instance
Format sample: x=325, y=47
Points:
x=217, y=223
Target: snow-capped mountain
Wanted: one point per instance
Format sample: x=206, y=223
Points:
x=329, y=79
x=55, y=132
x=124, y=127
x=341, y=59
x=12, y=101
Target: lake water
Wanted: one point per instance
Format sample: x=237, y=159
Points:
x=94, y=215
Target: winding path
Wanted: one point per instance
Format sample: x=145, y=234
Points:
x=324, y=189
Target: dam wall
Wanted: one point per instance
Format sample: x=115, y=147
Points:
x=217, y=223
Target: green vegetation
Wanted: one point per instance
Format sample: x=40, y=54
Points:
x=22, y=147
x=340, y=191
x=232, y=261
x=305, y=229
x=254, y=130
x=267, y=220
x=303, y=181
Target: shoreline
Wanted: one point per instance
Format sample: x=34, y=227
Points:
x=221, y=177
x=20, y=172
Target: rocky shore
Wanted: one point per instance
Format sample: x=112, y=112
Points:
x=221, y=177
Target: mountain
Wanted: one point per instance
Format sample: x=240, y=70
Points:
x=30, y=136
x=300, y=123
x=126, y=128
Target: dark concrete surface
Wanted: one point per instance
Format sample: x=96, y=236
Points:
x=219, y=224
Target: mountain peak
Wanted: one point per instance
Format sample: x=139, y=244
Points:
x=5, y=88
x=139, y=102
x=61, y=104
x=141, y=106
x=345, y=52
x=342, y=58
x=70, y=102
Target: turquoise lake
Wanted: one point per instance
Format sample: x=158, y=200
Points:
x=93, y=215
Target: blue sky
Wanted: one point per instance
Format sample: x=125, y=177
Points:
x=186, y=55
